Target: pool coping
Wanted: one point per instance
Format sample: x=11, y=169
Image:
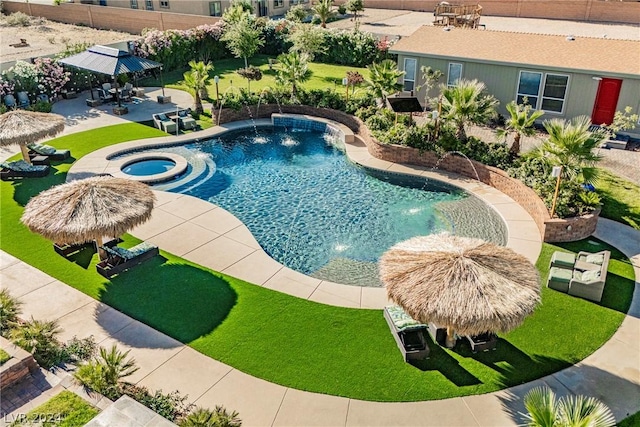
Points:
x=209, y=235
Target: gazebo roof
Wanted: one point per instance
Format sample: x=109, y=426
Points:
x=110, y=61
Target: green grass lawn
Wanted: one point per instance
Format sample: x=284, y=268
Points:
x=303, y=344
x=324, y=76
x=620, y=199
x=4, y=356
x=65, y=409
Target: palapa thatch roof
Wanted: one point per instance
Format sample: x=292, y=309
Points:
x=466, y=284
x=26, y=127
x=88, y=209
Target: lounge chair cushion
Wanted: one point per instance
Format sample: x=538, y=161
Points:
x=163, y=117
x=130, y=253
x=560, y=274
x=402, y=320
x=43, y=149
x=595, y=259
x=586, y=276
x=22, y=166
x=563, y=259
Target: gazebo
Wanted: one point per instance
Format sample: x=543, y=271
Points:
x=112, y=62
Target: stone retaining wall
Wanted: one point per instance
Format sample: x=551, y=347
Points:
x=556, y=230
x=18, y=367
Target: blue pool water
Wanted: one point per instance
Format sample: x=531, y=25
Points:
x=149, y=167
x=314, y=211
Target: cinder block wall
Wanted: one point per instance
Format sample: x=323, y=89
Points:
x=18, y=367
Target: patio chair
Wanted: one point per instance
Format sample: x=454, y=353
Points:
x=482, y=342
x=23, y=100
x=10, y=101
x=166, y=124
x=121, y=259
x=185, y=120
x=105, y=95
x=22, y=169
x=68, y=249
x=125, y=94
x=409, y=334
x=47, y=150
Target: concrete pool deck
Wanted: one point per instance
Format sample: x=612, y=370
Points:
x=208, y=235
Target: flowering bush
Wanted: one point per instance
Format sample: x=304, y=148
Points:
x=7, y=86
x=25, y=77
x=50, y=76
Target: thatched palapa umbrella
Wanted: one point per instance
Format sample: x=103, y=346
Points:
x=88, y=209
x=467, y=285
x=26, y=127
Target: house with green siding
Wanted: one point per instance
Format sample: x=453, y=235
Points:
x=565, y=76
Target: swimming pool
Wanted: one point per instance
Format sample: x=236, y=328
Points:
x=316, y=212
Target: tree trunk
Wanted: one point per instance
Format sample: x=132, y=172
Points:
x=515, y=147
x=199, y=109
x=461, y=134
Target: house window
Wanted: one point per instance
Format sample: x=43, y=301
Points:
x=149, y=4
x=164, y=4
x=545, y=92
x=454, y=74
x=134, y=4
x=409, y=74
x=278, y=3
x=215, y=8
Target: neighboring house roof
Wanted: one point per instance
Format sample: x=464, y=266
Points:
x=594, y=55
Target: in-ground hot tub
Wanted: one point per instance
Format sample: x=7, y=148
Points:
x=151, y=167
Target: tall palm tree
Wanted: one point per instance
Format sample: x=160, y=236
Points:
x=570, y=145
x=520, y=121
x=544, y=410
x=467, y=103
x=323, y=8
x=196, y=79
x=292, y=68
x=383, y=78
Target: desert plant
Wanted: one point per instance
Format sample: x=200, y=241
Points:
x=9, y=311
x=105, y=372
x=18, y=19
x=196, y=80
x=40, y=338
x=324, y=10
x=172, y=406
x=219, y=417
x=520, y=122
x=292, y=69
x=77, y=350
x=430, y=78
x=467, y=103
x=383, y=78
x=545, y=410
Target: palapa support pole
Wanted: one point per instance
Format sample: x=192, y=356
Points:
x=25, y=153
x=101, y=253
x=450, y=341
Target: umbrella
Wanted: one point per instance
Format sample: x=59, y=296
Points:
x=26, y=127
x=468, y=285
x=88, y=209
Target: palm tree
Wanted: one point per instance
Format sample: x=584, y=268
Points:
x=39, y=338
x=219, y=417
x=544, y=410
x=292, y=68
x=383, y=78
x=105, y=372
x=570, y=145
x=9, y=311
x=196, y=79
x=467, y=103
x=323, y=8
x=521, y=120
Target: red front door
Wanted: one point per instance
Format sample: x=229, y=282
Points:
x=606, y=101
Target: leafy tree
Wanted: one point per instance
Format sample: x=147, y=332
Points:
x=307, y=40
x=9, y=311
x=570, y=144
x=105, y=372
x=324, y=10
x=622, y=120
x=236, y=12
x=545, y=410
x=467, y=103
x=520, y=122
x=355, y=6
x=243, y=39
x=292, y=69
x=430, y=78
x=39, y=338
x=219, y=417
x=196, y=80
x=383, y=78
x=297, y=13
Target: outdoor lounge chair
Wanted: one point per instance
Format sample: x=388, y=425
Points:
x=10, y=101
x=46, y=150
x=165, y=123
x=185, y=120
x=104, y=95
x=121, y=259
x=66, y=250
x=410, y=335
x=482, y=342
x=23, y=100
x=22, y=169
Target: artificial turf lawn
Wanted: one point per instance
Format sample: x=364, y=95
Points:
x=311, y=346
x=619, y=199
x=65, y=409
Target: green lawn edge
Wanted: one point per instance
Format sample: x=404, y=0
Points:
x=306, y=345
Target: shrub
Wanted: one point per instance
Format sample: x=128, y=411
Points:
x=380, y=121
x=342, y=9
x=219, y=417
x=18, y=19
x=297, y=13
x=78, y=350
x=9, y=311
x=40, y=339
x=105, y=372
x=172, y=406
x=4, y=356
x=352, y=48
x=250, y=73
x=41, y=106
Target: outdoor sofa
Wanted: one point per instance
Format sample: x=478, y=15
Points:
x=410, y=335
x=46, y=150
x=582, y=276
x=22, y=169
x=164, y=123
x=121, y=259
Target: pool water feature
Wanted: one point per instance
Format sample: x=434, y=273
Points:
x=316, y=212
x=149, y=167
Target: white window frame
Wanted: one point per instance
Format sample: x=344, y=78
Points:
x=412, y=80
x=449, y=82
x=540, y=95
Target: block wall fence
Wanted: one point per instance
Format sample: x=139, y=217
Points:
x=551, y=230
x=18, y=367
